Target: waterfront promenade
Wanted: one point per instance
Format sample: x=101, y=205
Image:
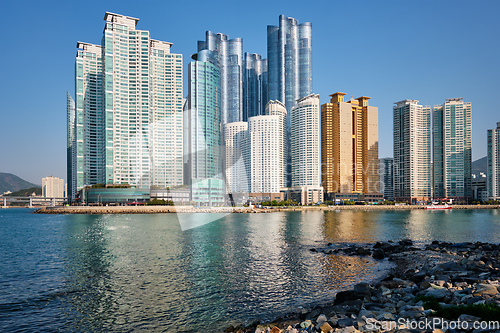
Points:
x=191, y=209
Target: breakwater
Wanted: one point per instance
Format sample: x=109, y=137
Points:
x=191, y=209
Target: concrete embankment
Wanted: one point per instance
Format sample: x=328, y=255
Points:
x=137, y=210
x=191, y=209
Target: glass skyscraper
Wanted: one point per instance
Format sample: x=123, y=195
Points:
x=452, y=142
x=70, y=144
x=203, y=139
x=289, y=57
x=127, y=127
x=254, y=85
x=227, y=55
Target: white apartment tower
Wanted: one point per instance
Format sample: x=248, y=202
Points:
x=412, y=151
x=493, y=173
x=305, y=142
x=53, y=187
x=276, y=108
x=128, y=117
x=266, y=163
x=237, y=157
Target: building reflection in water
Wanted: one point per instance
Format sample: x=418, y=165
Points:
x=351, y=226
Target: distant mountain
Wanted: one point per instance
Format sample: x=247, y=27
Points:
x=10, y=182
x=480, y=165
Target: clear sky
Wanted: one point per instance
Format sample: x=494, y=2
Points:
x=388, y=50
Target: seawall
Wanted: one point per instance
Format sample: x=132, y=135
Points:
x=191, y=209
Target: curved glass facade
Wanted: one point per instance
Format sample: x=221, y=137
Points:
x=289, y=53
x=227, y=55
x=254, y=85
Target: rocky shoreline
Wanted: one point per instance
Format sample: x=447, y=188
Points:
x=442, y=287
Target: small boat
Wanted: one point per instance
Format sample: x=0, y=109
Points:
x=434, y=206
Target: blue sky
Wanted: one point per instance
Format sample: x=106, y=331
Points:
x=388, y=50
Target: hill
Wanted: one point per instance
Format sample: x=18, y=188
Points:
x=10, y=182
x=26, y=192
x=480, y=165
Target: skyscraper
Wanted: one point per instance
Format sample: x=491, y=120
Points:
x=227, y=55
x=128, y=109
x=493, y=173
x=266, y=165
x=203, y=140
x=237, y=157
x=254, y=85
x=289, y=56
x=70, y=145
x=276, y=108
x=412, y=151
x=386, y=177
x=452, y=142
x=305, y=142
x=349, y=145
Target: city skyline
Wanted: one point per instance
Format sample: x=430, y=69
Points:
x=46, y=79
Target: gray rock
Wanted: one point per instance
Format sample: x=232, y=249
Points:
x=438, y=293
x=346, y=322
x=378, y=254
x=400, y=304
x=321, y=320
x=469, y=318
x=485, y=289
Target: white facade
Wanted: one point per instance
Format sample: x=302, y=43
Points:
x=276, y=108
x=265, y=156
x=237, y=157
x=412, y=150
x=53, y=187
x=305, y=142
x=493, y=173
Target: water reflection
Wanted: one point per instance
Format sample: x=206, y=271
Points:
x=351, y=226
x=142, y=272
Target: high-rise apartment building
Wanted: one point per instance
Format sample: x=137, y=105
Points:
x=493, y=172
x=289, y=56
x=305, y=142
x=276, y=108
x=53, y=187
x=412, y=151
x=128, y=109
x=386, y=177
x=203, y=137
x=70, y=145
x=237, y=157
x=227, y=55
x=266, y=164
x=452, y=142
x=349, y=145
x=254, y=85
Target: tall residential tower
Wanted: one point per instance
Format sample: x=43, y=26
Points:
x=412, y=151
x=493, y=173
x=127, y=127
x=452, y=142
x=349, y=146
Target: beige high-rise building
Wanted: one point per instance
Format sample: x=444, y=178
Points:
x=53, y=187
x=349, y=146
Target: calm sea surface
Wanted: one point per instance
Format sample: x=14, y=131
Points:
x=128, y=273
